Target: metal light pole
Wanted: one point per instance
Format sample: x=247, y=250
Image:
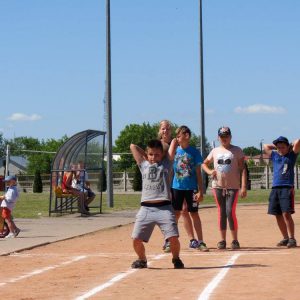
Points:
x=7, y=160
x=261, y=151
x=203, y=151
x=110, y=200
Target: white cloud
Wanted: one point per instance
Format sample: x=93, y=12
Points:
x=23, y=117
x=260, y=109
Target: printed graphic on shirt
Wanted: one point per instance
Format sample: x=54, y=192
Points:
x=152, y=179
x=184, y=166
x=224, y=161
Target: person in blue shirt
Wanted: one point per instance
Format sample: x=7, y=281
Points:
x=187, y=180
x=281, y=200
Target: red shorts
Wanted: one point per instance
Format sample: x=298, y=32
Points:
x=6, y=213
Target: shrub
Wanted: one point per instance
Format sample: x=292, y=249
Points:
x=37, y=183
x=102, y=183
x=137, y=180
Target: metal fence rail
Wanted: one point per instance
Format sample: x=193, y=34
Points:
x=260, y=177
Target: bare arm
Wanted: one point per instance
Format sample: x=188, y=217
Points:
x=199, y=194
x=296, y=146
x=243, y=192
x=207, y=169
x=138, y=153
x=172, y=149
x=268, y=148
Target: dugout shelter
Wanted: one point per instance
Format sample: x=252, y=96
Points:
x=87, y=148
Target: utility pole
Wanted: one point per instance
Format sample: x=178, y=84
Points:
x=7, y=160
x=203, y=151
x=110, y=200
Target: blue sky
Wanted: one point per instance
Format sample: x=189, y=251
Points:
x=52, y=66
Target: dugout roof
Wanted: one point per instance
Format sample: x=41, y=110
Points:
x=86, y=146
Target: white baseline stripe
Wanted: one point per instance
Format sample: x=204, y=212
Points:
x=218, y=278
x=113, y=280
x=43, y=270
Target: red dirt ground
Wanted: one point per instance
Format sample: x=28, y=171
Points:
x=69, y=269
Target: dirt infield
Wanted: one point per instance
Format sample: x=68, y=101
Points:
x=97, y=266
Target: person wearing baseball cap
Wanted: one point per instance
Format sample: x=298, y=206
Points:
x=8, y=202
x=228, y=169
x=281, y=200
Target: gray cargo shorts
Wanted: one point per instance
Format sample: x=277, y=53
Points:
x=148, y=217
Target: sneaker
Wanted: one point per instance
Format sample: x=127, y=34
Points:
x=139, y=264
x=17, y=231
x=202, y=247
x=221, y=245
x=235, y=245
x=167, y=247
x=10, y=235
x=194, y=244
x=282, y=243
x=292, y=243
x=178, y=264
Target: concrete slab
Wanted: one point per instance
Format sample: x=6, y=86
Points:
x=36, y=232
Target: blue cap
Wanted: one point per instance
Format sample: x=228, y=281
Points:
x=281, y=139
x=10, y=177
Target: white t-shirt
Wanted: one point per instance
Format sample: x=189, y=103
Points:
x=11, y=197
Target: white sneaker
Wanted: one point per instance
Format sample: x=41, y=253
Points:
x=10, y=235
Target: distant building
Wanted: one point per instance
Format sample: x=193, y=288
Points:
x=17, y=165
x=257, y=159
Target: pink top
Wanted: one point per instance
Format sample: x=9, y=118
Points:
x=227, y=167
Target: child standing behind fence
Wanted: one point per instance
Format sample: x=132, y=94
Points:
x=281, y=201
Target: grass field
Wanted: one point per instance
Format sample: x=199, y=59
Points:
x=36, y=205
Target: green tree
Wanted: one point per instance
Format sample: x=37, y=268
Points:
x=38, y=153
x=137, y=179
x=136, y=134
x=37, y=183
x=2, y=145
x=251, y=151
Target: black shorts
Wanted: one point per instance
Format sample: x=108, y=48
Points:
x=178, y=196
x=281, y=200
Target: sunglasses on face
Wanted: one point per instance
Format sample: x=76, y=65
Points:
x=224, y=162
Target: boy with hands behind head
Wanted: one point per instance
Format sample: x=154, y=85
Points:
x=281, y=200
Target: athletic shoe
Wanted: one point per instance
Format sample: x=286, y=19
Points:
x=139, y=264
x=292, y=243
x=235, y=245
x=221, y=245
x=10, y=235
x=167, y=247
x=202, y=247
x=17, y=231
x=194, y=244
x=283, y=243
x=178, y=264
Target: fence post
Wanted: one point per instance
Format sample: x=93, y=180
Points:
x=125, y=181
x=267, y=178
